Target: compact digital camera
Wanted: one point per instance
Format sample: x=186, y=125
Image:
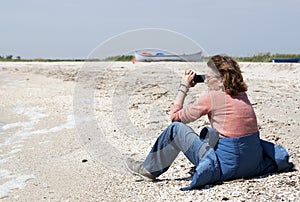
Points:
x=199, y=78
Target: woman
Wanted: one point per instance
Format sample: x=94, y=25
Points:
x=232, y=147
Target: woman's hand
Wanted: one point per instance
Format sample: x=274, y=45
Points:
x=188, y=78
x=187, y=81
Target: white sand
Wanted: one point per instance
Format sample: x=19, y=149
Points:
x=50, y=124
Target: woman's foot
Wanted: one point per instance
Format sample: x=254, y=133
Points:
x=136, y=168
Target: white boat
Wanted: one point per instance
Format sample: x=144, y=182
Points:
x=148, y=57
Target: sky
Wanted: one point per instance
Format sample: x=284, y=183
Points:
x=73, y=29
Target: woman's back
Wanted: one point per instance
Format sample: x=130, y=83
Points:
x=232, y=116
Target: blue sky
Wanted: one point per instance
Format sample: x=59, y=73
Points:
x=74, y=28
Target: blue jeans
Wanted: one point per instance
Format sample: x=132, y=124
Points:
x=178, y=137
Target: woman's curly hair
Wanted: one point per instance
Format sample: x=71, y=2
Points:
x=230, y=73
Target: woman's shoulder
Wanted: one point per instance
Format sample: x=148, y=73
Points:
x=225, y=97
x=222, y=94
x=215, y=94
x=241, y=95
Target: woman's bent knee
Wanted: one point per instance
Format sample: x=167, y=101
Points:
x=178, y=124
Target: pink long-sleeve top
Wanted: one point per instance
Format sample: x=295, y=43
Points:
x=231, y=116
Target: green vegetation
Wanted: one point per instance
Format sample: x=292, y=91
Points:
x=120, y=58
x=11, y=58
x=265, y=57
x=260, y=57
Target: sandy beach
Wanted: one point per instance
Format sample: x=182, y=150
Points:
x=66, y=128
